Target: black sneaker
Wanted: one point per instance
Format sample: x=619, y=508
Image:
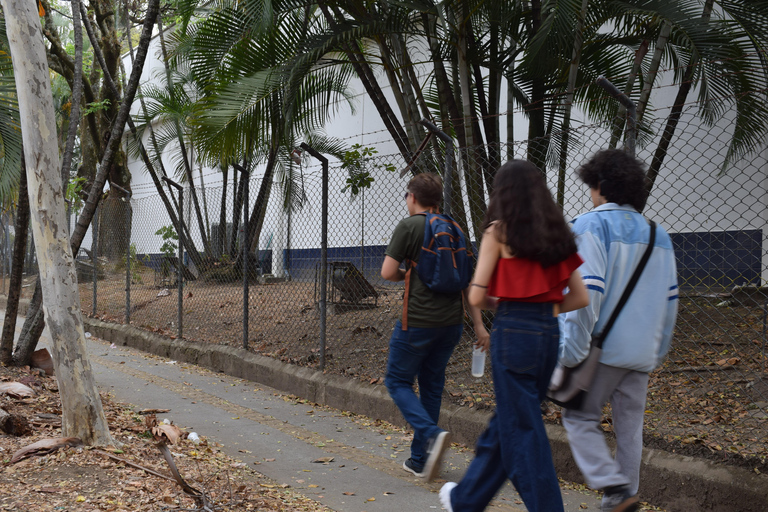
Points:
x=619, y=500
x=437, y=447
x=411, y=467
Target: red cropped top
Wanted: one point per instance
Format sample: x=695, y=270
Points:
x=523, y=280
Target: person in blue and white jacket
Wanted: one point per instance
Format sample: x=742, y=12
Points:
x=611, y=239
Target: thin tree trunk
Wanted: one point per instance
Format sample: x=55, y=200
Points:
x=573, y=71
x=256, y=219
x=17, y=269
x=171, y=208
x=77, y=93
x=368, y=79
x=537, y=139
x=182, y=145
x=222, y=241
x=237, y=210
x=473, y=170
x=653, y=69
x=677, y=108
x=621, y=116
x=82, y=414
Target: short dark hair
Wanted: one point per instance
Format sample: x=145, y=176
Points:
x=530, y=223
x=427, y=189
x=620, y=176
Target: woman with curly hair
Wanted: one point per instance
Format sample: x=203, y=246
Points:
x=527, y=259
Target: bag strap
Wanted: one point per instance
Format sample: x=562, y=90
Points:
x=630, y=286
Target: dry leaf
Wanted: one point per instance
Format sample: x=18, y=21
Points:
x=323, y=460
x=44, y=446
x=16, y=390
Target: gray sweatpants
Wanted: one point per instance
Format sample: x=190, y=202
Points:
x=626, y=391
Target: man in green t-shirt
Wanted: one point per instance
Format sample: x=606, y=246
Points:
x=422, y=343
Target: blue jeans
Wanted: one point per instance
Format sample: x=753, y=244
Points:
x=524, y=347
x=423, y=353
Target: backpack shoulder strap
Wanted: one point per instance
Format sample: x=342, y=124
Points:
x=409, y=264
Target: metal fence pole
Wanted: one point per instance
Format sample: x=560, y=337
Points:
x=448, y=172
x=94, y=254
x=127, y=199
x=631, y=111
x=179, y=273
x=323, y=250
x=246, y=287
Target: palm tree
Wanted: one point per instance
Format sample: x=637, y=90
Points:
x=249, y=113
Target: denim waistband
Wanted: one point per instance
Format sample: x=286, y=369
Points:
x=506, y=307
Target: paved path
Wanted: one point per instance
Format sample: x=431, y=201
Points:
x=280, y=436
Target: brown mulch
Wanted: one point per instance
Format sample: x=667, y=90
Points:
x=110, y=478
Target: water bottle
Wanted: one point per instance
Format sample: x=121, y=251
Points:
x=478, y=362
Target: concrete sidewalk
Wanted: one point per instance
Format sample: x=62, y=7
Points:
x=281, y=437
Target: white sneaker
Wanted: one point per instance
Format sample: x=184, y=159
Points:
x=438, y=445
x=445, y=495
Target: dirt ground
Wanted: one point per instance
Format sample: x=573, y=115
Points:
x=710, y=398
x=112, y=478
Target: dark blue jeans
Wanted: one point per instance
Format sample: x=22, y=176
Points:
x=421, y=353
x=524, y=346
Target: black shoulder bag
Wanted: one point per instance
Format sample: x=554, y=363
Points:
x=577, y=381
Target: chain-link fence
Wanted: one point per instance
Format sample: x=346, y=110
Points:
x=710, y=397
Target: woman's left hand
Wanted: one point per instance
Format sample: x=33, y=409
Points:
x=483, y=338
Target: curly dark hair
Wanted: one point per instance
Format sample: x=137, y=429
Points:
x=530, y=221
x=620, y=176
x=427, y=188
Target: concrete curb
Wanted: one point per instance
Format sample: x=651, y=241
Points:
x=675, y=482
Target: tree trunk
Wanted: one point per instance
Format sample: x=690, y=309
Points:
x=17, y=270
x=237, y=212
x=573, y=70
x=34, y=323
x=653, y=69
x=621, y=117
x=674, y=116
x=183, y=148
x=537, y=139
x=77, y=94
x=222, y=239
x=82, y=414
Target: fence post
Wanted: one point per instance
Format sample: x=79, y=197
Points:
x=323, y=250
x=127, y=199
x=246, y=287
x=179, y=273
x=631, y=111
x=94, y=253
x=448, y=173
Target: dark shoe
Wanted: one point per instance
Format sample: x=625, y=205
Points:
x=619, y=500
x=437, y=447
x=411, y=467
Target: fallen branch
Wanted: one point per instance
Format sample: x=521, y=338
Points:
x=712, y=368
x=134, y=465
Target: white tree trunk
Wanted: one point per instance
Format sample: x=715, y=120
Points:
x=82, y=413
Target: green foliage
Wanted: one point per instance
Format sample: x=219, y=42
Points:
x=170, y=237
x=74, y=188
x=96, y=106
x=357, y=161
x=136, y=264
